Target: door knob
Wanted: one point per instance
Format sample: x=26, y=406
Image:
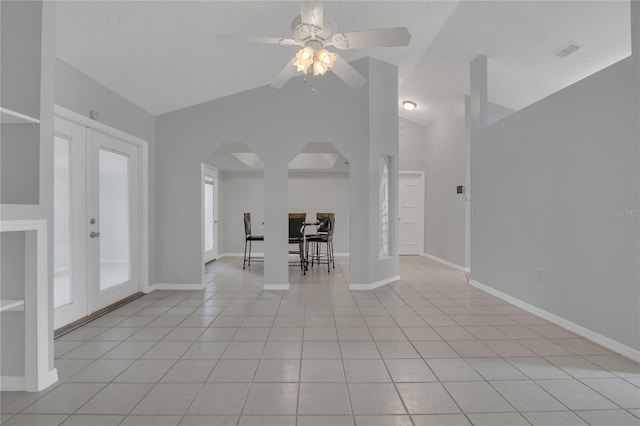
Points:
x=93, y=234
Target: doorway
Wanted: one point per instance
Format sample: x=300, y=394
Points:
x=97, y=220
x=411, y=214
x=210, y=188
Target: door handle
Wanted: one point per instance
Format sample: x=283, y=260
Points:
x=93, y=234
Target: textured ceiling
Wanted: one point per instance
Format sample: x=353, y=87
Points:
x=162, y=56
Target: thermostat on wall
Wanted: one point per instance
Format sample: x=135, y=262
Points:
x=460, y=189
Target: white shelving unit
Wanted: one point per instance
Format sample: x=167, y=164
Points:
x=37, y=373
x=11, y=305
x=8, y=116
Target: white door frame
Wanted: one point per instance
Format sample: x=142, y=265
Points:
x=143, y=179
x=78, y=190
x=208, y=170
x=420, y=247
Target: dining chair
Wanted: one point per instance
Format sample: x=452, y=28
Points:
x=248, y=238
x=296, y=236
x=323, y=235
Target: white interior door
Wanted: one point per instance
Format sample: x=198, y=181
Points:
x=112, y=228
x=69, y=245
x=210, y=212
x=411, y=200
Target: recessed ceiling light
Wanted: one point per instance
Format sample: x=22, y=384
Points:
x=409, y=105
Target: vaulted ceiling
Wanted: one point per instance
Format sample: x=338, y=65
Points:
x=163, y=56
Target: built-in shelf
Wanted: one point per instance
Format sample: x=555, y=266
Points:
x=11, y=305
x=8, y=116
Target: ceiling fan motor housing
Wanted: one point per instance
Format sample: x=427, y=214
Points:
x=305, y=32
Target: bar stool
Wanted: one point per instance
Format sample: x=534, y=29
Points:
x=248, y=238
x=324, y=235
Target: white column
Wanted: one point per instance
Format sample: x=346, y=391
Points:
x=467, y=182
x=479, y=89
x=477, y=115
x=276, y=225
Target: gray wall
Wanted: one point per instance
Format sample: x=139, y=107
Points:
x=20, y=168
x=413, y=152
x=548, y=182
x=276, y=124
x=20, y=55
x=81, y=94
x=445, y=166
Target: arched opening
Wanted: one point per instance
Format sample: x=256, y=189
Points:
x=241, y=190
x=318, y=184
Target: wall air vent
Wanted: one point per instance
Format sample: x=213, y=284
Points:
x=567, y=50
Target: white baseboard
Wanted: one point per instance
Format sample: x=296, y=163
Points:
x=176, y=286
x=275, y=286
x=374, y=285
x=12, y=383
x=258, y=255
x=446, y=262
x=604, y=341
x=49, y=378
x=253, y=255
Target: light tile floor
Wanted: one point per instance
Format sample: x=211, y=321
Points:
x=428, y=350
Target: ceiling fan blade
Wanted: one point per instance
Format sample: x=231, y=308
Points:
x=348, y=74
x=287, y=73
x=383, y=37
x=256, y=39
x=311, y=13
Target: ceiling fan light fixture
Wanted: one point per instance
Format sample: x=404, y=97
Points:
x=319, y=68
x=304, y=59
x=409, y=105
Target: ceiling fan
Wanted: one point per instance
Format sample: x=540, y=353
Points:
x=314, y=34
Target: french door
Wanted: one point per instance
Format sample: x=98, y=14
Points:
x=210, y=212
x=96, y=235
x=112, y=194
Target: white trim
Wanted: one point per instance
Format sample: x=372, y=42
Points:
x=143, y=220
x=37, y=375
x=275, y=286
x=19, y=115
x=175, y=286
x=261, y=255
x=613, y=345
x=253, y=255
x=19, y=383
x=446, y=262
x=374, y=285
x=11, y=305
x=47, y=379
x=83, y=120
x=12, y=383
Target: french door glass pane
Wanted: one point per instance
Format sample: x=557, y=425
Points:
x=115, y=262
x=61, y=223
x=208, y=215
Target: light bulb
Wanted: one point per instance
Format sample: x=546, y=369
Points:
x=409, y=105
x=327, y=58
x=303, y=59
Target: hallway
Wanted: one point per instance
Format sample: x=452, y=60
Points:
x=428, y=350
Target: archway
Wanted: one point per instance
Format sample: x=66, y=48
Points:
x=318, y=182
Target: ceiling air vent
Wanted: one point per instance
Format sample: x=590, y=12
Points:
x=567, y=50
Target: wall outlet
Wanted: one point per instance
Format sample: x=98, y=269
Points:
x=539, y=275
